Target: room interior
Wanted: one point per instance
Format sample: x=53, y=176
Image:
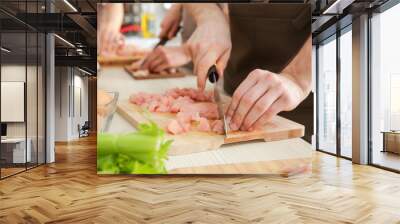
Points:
x=48, y=69
x=26, y=114
x=22, y=102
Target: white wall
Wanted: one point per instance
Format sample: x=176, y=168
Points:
x=80, y=84
x=17, y=73
x=62, y=81
x=69, y=84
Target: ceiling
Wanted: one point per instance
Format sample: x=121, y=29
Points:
x=76, y=22
x=337, y=14
x=72, y=20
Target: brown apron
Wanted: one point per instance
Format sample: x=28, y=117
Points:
x=268, y=36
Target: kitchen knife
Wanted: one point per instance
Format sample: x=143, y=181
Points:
x=213, y=77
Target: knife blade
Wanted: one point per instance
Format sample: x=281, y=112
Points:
x=213, y=78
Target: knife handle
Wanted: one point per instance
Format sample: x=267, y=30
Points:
x=213, y=74
x=164, y=40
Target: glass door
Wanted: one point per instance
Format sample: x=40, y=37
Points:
x=22, y=78
x=385, y=89
x=326, y=59
x=15, y=151
x=346, y=95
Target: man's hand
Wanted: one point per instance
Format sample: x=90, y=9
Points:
x=164, y=58
x=210, y=43
x=171, y=21
x=110, y=40
x=264, y=94
x=261, y=96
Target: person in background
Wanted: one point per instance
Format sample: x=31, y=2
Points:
x=165, y=57
x=110, y=18
x=171, y=21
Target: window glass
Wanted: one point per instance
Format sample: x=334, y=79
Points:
x=327, y=96
x=346, y=94
x=15, y=149
x=385, y=88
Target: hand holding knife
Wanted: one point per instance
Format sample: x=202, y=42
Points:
x=213, y=77
x=161, y=42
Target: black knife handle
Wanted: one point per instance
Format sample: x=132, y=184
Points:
x=213, y=74
x=164, y=40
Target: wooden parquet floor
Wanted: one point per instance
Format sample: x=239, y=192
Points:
x=69, y=191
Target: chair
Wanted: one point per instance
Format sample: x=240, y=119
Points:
x=84, y=130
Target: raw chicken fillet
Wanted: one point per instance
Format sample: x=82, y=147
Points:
x=135, y=67
x=195, y=109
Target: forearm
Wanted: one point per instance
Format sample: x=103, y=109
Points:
x=178, y=6
x=299, y=69
x=205, y=12
x=112, y=15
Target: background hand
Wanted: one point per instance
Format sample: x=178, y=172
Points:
x=109, y=41
x=164, y=58
x=110, y=19
x=171, y=21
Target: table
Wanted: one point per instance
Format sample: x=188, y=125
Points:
x=279, y=157
x=391, y=141
x=18, y=149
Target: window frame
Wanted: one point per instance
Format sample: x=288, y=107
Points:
x=336, y=35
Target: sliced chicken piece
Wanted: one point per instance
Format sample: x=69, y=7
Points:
x=174, y=127
x=204, y=125
x=163, y=108
x=152, y=107
x=184, y=117
x=180, y=103
x=217, y=126
x=205, y=109
x=185, y=120
x=138, y=99
x=172, y=93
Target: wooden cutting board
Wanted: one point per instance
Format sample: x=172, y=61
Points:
x=135, y=75
x=118, y=60
x=279, y=128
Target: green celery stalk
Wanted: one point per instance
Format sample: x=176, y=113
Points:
x=142, y=152
x=126, y=143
